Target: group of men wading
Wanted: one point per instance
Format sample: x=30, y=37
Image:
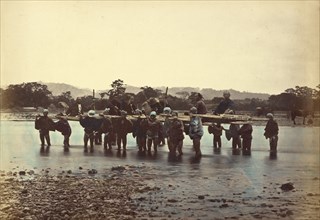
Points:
x=149, y=131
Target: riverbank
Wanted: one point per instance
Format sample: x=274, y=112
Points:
x=140, y=192
x=30, y=195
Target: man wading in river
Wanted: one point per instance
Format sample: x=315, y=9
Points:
x=271, y=132
x=63, y=126
x=44, y=124
x=226, y=105
x=90, y=125
x=195, y=131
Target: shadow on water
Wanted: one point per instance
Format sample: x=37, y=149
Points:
x=66, y=152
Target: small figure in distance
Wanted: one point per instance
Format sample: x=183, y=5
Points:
x=44, y=124
x=153, y=132
x=216, y=130
x=175, y=135
x=195, y=131
x=164, y=131
x=234, y=132
x=225, y=106
x=271, y=132
x=64, y=128
x=246, y=134
x=141, y=126
x=123, y=127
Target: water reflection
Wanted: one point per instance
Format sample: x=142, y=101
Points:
x=148, y=156
x=118, y=153
x=217, y=150
x=246, y=153
x=108, y=153
x=173, y=159
x=195, y=160
x=236, y=151
x=66, y=152
x=44, y=151
x=273, y=156
x=141, y=154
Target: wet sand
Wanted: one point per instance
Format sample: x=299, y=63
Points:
x=57, y=185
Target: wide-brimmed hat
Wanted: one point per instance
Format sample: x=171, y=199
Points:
x=91, y=113
x=45, y=111
x=269, y=115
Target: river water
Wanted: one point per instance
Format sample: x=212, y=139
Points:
x=248, y=185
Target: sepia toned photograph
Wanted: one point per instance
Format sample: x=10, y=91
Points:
x=159, y=110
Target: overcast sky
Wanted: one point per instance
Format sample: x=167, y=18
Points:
x=256, y=46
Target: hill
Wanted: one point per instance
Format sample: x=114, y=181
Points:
x=209, y=93
x=58, y=88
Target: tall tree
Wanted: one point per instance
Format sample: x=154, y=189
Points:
x=117, y=89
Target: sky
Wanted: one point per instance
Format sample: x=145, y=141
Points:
x=255, y=46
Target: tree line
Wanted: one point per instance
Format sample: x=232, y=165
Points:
x=36, y=95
